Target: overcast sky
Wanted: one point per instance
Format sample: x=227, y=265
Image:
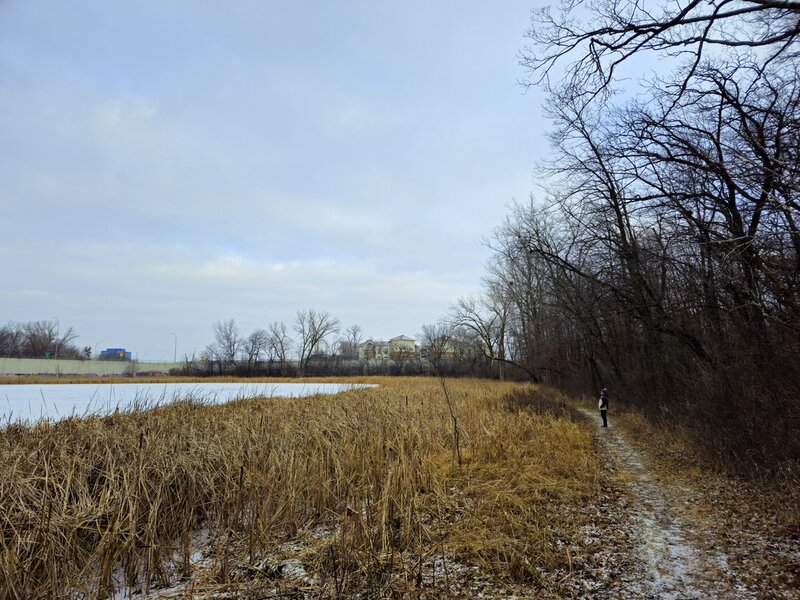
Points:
x=168, y=164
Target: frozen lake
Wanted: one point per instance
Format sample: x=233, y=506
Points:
x=32, y=402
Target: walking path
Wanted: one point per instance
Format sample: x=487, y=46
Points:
x=674, y=552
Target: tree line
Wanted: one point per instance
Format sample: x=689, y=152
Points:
x=316, y=344
x=40, y=339
x=662, y=258
x=272, y=350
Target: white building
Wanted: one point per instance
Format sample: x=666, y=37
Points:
x=397, y=348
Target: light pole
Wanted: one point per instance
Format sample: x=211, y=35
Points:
x=175, y=349
x=96, y=344
x=58, y=331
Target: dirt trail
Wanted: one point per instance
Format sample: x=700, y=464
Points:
x=672, y=553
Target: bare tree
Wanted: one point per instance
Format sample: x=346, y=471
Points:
x=42, y=337
x=349, y=343
x=279, y=344
x=723, y=165
x=667, y=247
x=211, y=359
x=253, y=347
x=227, y=343
x=436, y=341
x=12, y=340
x=485, y=319
x=551, y=271
x=313, y=327
x=63, y=347
x=595, y=44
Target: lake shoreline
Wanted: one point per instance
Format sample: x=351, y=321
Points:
x=33, y=402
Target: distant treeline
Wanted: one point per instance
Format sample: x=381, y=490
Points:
x=319, y=347
x=338, y=366
x=40, y=339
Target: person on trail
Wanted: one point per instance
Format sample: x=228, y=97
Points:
x=603, y=405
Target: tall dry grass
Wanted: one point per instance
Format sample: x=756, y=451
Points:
x=89, y=506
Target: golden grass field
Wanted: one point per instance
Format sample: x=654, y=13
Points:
x=369, y=485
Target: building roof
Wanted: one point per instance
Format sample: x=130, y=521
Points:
x=399, y=338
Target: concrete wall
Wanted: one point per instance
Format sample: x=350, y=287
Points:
x=42, y=366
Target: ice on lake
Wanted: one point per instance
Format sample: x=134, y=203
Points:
x=33, y=402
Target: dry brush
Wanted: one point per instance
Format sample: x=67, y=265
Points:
x=89, y=506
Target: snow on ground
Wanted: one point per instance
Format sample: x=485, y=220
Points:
x=675, y=553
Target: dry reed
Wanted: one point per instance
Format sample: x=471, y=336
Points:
x=89, y=506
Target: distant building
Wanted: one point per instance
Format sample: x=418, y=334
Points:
x=115, y=354
x=398, y=348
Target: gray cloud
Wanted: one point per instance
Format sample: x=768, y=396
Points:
x=166, y=165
